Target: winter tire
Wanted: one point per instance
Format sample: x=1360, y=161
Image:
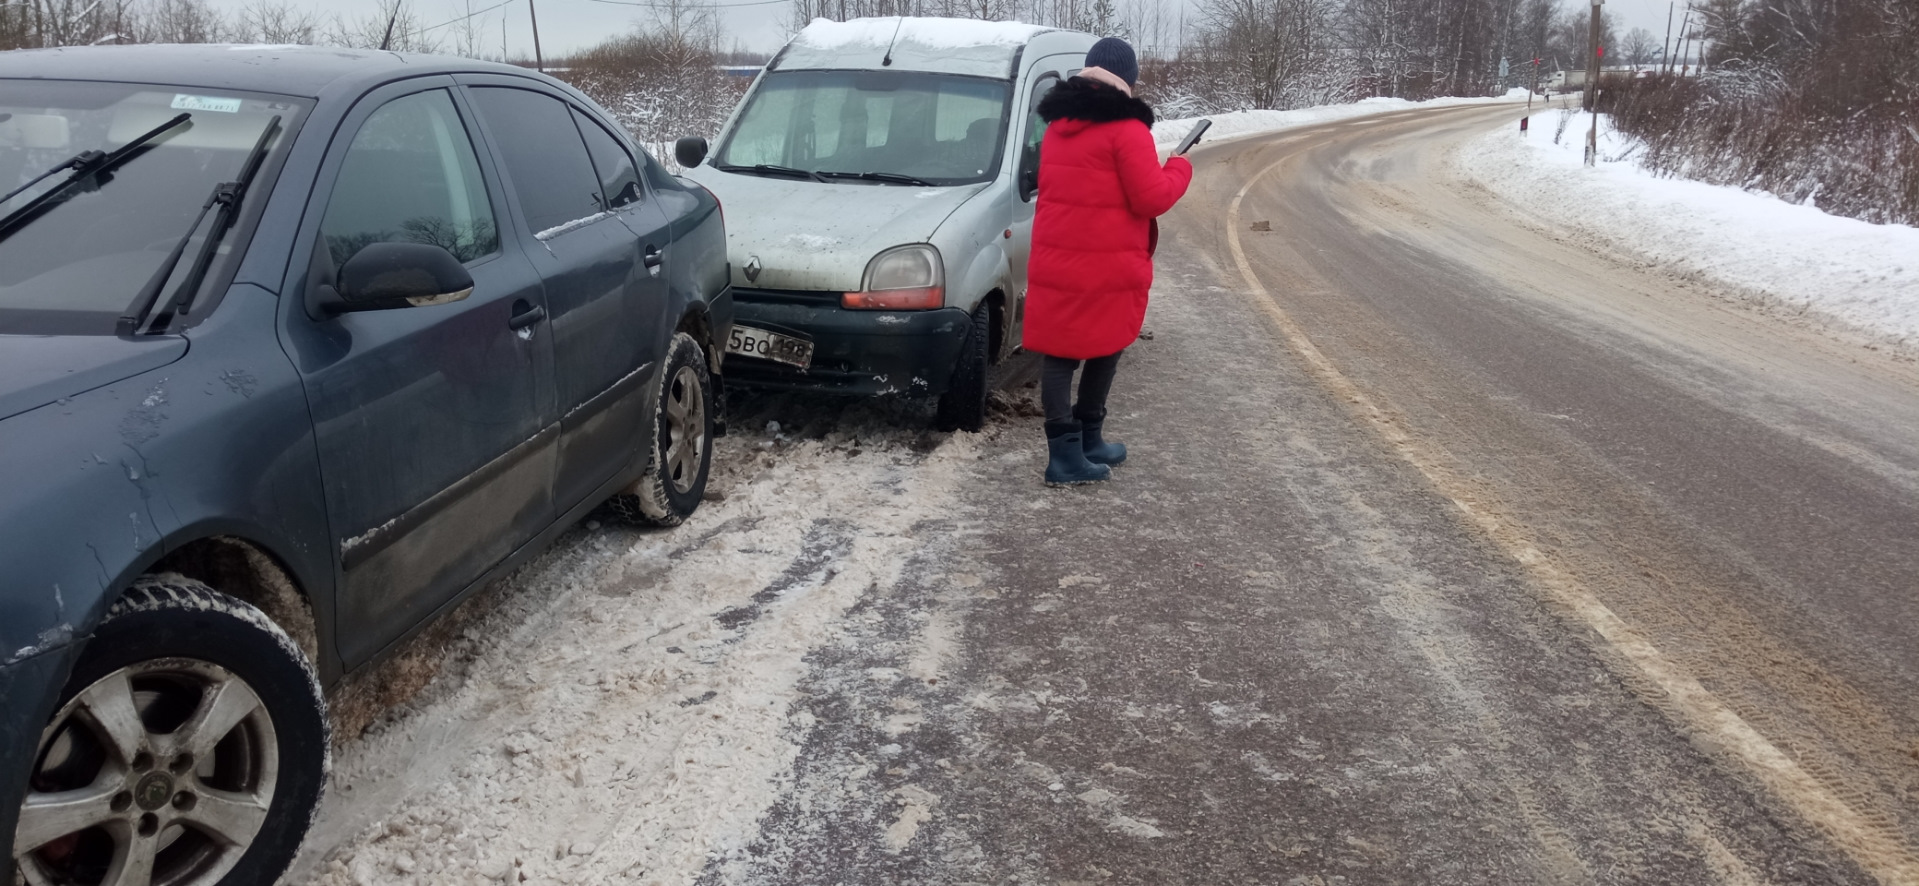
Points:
x=189, y=748
x=675, y=479
x=963, y=406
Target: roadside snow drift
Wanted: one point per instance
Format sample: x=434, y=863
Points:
x=1839, y=271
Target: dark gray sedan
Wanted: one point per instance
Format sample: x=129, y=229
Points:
x=298, y=347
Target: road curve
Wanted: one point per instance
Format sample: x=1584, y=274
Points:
x=1447, y=552
x=1729, y=502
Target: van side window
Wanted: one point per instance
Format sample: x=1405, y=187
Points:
x=1035, y=132
x=410, y=176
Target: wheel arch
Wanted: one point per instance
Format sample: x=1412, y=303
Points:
x=251, y=572
x=996, y=308
x=698, y=323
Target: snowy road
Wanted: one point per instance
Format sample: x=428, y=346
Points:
x=1449, y=552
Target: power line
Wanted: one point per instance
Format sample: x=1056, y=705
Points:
x=468, y=16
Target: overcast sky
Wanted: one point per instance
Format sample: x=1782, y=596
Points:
x=570, y=25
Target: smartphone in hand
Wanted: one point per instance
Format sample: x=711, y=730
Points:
x=1192, y=138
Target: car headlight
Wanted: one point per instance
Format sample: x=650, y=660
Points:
x=904, y=278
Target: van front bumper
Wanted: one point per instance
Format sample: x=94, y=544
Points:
x=862, y=353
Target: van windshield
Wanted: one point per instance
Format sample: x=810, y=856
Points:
x=75, y=265
x=896, y=127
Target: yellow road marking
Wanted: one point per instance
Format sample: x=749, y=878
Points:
x=1875, y=848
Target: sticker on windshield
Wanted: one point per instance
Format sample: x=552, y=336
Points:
x=206, y=103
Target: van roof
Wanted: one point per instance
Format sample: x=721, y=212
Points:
x=944, y=45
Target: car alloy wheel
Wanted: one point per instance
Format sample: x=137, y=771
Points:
x=161, y=772
x=686, y=428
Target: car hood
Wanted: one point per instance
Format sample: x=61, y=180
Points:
x=808, y=235
x=39, y=369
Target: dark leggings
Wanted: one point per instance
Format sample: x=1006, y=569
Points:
x=1056, y=387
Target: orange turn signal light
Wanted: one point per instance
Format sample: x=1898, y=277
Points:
x=918, y=299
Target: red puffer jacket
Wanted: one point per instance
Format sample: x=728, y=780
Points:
x=1101, y=186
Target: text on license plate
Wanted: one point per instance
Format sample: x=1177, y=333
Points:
x=767, y=345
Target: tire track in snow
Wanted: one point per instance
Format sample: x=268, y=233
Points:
x=628, y=714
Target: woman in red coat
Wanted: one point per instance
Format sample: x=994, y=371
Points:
x=1101, y=187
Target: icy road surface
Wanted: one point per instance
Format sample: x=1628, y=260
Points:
x=1450, y=552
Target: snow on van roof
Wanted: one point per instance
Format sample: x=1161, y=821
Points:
x=927, y=33
x=949, y=45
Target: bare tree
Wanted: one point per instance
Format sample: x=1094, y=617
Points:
x=1639, y=47
x=1273, y=53
x=469, y=35
x=393, y=24
x=275, y=21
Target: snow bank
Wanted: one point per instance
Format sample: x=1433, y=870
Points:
x=1842, y=271
x=1167, y=133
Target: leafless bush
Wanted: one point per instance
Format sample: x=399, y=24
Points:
x=1778, y=114
x=660, y=88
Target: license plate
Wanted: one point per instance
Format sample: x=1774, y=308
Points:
x=766, y=345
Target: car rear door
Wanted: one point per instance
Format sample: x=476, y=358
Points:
x=599, y=242
x=436, y=426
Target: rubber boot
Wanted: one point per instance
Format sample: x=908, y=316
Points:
x=1066, y=464
x=1099, y=450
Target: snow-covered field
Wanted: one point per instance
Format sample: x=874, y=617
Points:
x=1838, y=272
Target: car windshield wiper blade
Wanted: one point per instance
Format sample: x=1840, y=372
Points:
x=770, y=169
x=85, y=165
x=226, y=195
x=892, y=177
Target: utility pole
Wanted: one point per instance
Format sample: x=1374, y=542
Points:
x=1685, y=24
x=539, y=64
x=1529, y=95
x=1594, y=51
x=1665, y=54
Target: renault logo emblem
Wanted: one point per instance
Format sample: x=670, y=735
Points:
x=752, y=269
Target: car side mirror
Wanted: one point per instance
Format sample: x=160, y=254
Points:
x=382, y=276
x=628, y=195
x=690, y=151
x=1028, y=176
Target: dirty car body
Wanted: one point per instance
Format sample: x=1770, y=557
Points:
x=880, y=179
x=360, y=333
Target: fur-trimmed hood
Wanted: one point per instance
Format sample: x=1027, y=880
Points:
x=1079, y=99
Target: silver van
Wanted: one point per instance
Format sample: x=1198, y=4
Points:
x=878, y=182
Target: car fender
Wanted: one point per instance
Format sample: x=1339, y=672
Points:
x=970, y=244
x=109, y=482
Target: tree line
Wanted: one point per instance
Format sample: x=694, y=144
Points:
x=1816, y=101
x=395, y=24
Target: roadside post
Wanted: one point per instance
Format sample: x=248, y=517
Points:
x=1592, y=85
x=539, y=64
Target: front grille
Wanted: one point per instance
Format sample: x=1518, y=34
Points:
x=787, y=296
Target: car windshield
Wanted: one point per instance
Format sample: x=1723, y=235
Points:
x=905, y=127
x=76, y=266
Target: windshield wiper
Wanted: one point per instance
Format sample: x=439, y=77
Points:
x=770, y=169
x=86, y=165
x=892, y=177
x=226, y=195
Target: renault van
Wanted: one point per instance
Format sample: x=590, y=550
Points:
x=878, y=181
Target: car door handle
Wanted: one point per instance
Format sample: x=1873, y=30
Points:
x=653, y=258
x=526, y=315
